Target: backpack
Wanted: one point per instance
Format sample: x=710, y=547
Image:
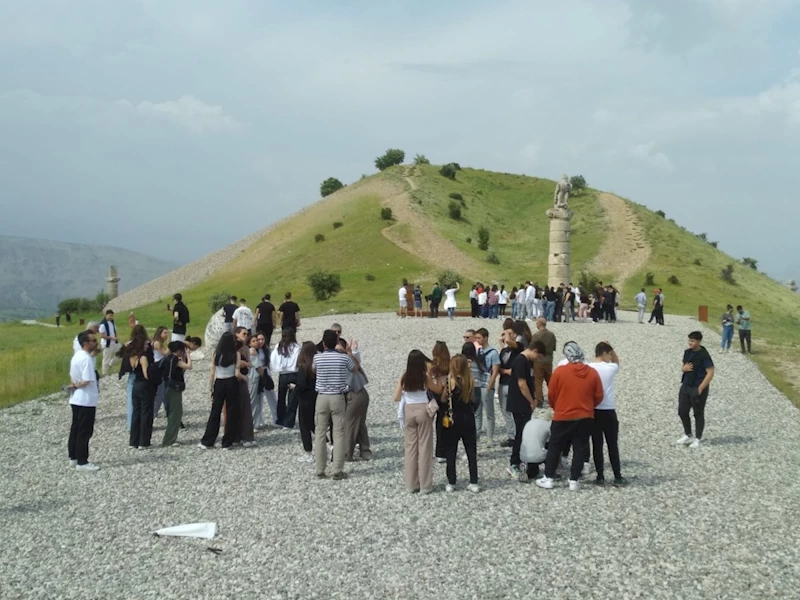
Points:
x=480, y=359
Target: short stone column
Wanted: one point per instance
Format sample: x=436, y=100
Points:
x=113, y=282
x=558, y=262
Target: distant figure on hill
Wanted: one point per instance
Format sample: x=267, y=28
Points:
x=417, y=301
x=58, y=318
x=180, y=319
x=265, y=318
x=743, y=320
x=658, y=307
x=68, y=316
x=727, y=330
x=227, y=313
x=436, y=299
x=289, y=313
x=450, y=304
x=110, y=343
x=641, y=304
x=243, y=317
x=402, y=295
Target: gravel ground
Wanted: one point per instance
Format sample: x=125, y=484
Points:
x=718, y=522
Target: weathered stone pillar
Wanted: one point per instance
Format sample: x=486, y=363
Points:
x=113, y=282
x=559, y=259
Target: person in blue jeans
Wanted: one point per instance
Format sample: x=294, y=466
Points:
x=727, y=330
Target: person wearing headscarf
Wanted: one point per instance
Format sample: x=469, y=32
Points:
x=575, y=390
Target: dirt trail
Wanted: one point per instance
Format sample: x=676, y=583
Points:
x=625, y=250
x=415, y=235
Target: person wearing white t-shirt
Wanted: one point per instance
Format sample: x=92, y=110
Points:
x=483, y=297
x=84, y=395
x=530, y=301
x=243, y=317
x=641, y=304
x=110, y=341
x=450, y=300
x=606, y=425
x=502, y=300
x=402, y=295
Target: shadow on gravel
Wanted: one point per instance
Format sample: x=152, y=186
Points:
x=729, y=440
x=37, y=506
x=143, y=458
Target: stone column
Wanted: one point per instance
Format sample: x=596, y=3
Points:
x=559, y=258
x=113, y=282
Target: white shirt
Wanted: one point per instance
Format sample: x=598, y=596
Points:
x=473, y=294
x=530, y=294
x=402, y=293
x=521, y=295
x=503, y=297
x=113, y=333
x=76, y=347
x=607, y=371
x=81, y=368
x=243, y=317
x=482, y=298
x=450, y=298
x=641, y=299
x=534, y=437
x=278, y=363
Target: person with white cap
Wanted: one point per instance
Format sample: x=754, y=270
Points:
x=573, y=393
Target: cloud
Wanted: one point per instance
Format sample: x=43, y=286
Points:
x=646, y=154
x=191, y=113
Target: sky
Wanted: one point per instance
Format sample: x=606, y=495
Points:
x=177, y=127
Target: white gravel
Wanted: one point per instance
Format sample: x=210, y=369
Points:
x=719, y=522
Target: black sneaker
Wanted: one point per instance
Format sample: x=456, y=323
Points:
x=507, y=444
x=322, y=475
x=339, y=476
x=600, y=481
x=620, y=481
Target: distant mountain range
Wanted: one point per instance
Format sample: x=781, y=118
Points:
x=35, y=275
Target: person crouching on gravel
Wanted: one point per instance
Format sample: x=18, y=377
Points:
x=574, y=391
x=521, y=402
x=698, y=371
x=458, y=421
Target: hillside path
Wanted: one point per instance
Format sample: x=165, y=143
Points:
x=419, y=237
x=625, y=250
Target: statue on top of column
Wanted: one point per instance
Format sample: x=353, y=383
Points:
x=561, y=196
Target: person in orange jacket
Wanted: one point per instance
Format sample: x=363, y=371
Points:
x=574, y=391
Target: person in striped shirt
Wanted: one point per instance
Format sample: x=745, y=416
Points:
x=331, y=368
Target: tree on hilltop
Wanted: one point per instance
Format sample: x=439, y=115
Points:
x=392, y=157
x=578, y=184
x=330, y=185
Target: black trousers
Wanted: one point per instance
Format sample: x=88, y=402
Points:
x=435, y=309
x=143, y=397
x=80, y=432
x=658, y=315
x=440, y=451
x=286, y=414
x=306, y=418
x=690, y=400
x=744, y=338
x=226, y=392
x=606, y=425
x=461, y=429
x=474, y=306
x=574, y=432
x=520, y=420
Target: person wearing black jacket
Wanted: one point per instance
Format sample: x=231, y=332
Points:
x=698, y=371
x=180, y=319
x=227, y=312
x=303, y=394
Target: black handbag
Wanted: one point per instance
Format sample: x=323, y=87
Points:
x=178, y=386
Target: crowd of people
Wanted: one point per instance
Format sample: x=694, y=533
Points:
x=443, y=401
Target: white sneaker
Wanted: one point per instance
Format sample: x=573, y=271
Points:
x=87, y=467
x=203, y=447
x=449, y=488
x=513, y=471
x=176, y=445
x=695, y=444
x=73, y=463
x=306, y=458
x=441, y=460
x=574, y=486
x=586, y=468
x=474, y=488
x=684, y=440
x=545, y=482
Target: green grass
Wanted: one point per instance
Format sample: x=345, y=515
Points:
x=34, y=360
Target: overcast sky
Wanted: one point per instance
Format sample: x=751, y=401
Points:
x=198, y=121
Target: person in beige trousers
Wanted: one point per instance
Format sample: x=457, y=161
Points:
x=411, y=393
x=355, y=417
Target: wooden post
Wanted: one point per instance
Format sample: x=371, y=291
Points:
x=702, y=314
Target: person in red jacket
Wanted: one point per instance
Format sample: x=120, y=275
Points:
x=574, y=391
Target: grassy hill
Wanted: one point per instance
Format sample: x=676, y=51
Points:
x=423, y=239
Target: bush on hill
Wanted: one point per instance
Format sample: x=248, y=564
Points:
x=578, y=183
x=587, y=282
x=330, y=185
x=421, y=159
x=324, y=284
x=319, y=238
x=661, y=213
x=492, y=258
x=456, y=166
x=386, y=213
x=674, y=280
x=727, y=275
x=454, y=209
x=649, y=279
x=483, y=238
x=218, y=300
x=455, y=196
x=369, y=277
x=750, y=262
x=448, y=171
x=469, y=240
x=448, y=278
x=715, y=244
x=698, y=262
x=392, y=157
x=84, y=305
x=337, y=224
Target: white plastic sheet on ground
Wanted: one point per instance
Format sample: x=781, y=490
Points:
x=205, y=531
